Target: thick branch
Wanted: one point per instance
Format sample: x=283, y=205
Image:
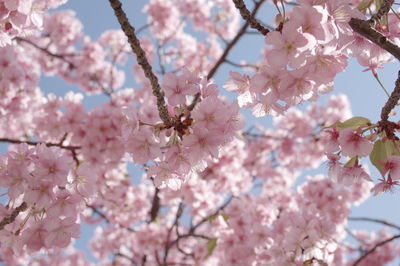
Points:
x=233, y=42
x=155, y=206
x=365, y=29
x=383, y=10
x=246, y=15
x=392, y=101
x=11, y=218
x=142, y=60
x=358, y=261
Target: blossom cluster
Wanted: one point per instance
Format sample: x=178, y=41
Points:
x=209, y=193
x=42, y=178
x=19, y=18
x=301, y=61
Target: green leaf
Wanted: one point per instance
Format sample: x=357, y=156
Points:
x=378, y=4
x=351, y=162
x=354, y=122
x=395, y=151
x=380, y=153
x=225, y=216
x=212, y=218
x=364, y=4
x=211, y=245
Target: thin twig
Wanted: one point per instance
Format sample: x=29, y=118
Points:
x=46, y=51
x=205, y=219
x=129, y=31
x=99, y=213
x=63, y=58
x=34, y=143
x=232, y=43
x=358, y=261
x=374, y=221
x=224, y=55
x=72, y=149
x=142, y=28
x=241, y=65
x=167, y=246
x=104, y=217
x=119, y=254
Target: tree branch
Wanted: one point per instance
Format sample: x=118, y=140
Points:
x=119, y=254
x=104, y=217
x=392, y=101
x=241, y=65
x=72, y=149
x=167, y=245
x=246, y=15
x=71, y=65
x=232, y=43
x=374, y=221
x=129, y=31
x=34, y=143
x=383, y=10
x=47, y=52
x=224, y=55
x=11, y=218
x=358, y=261
x=155, y=206
x=364, y=28
x=386, y=126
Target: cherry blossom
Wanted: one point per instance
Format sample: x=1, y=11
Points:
x=172, y=169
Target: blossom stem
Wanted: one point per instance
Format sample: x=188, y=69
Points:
x=129, y=31
x=380, y=83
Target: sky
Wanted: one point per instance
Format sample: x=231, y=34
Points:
x=364, y=93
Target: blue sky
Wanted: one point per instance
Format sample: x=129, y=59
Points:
x=366, y=96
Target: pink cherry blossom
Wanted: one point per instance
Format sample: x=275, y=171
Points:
x=288, y=46
x=60, y=232
x=178, y=87
x=353, y=144
x=173, y=170
x=392, y=166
